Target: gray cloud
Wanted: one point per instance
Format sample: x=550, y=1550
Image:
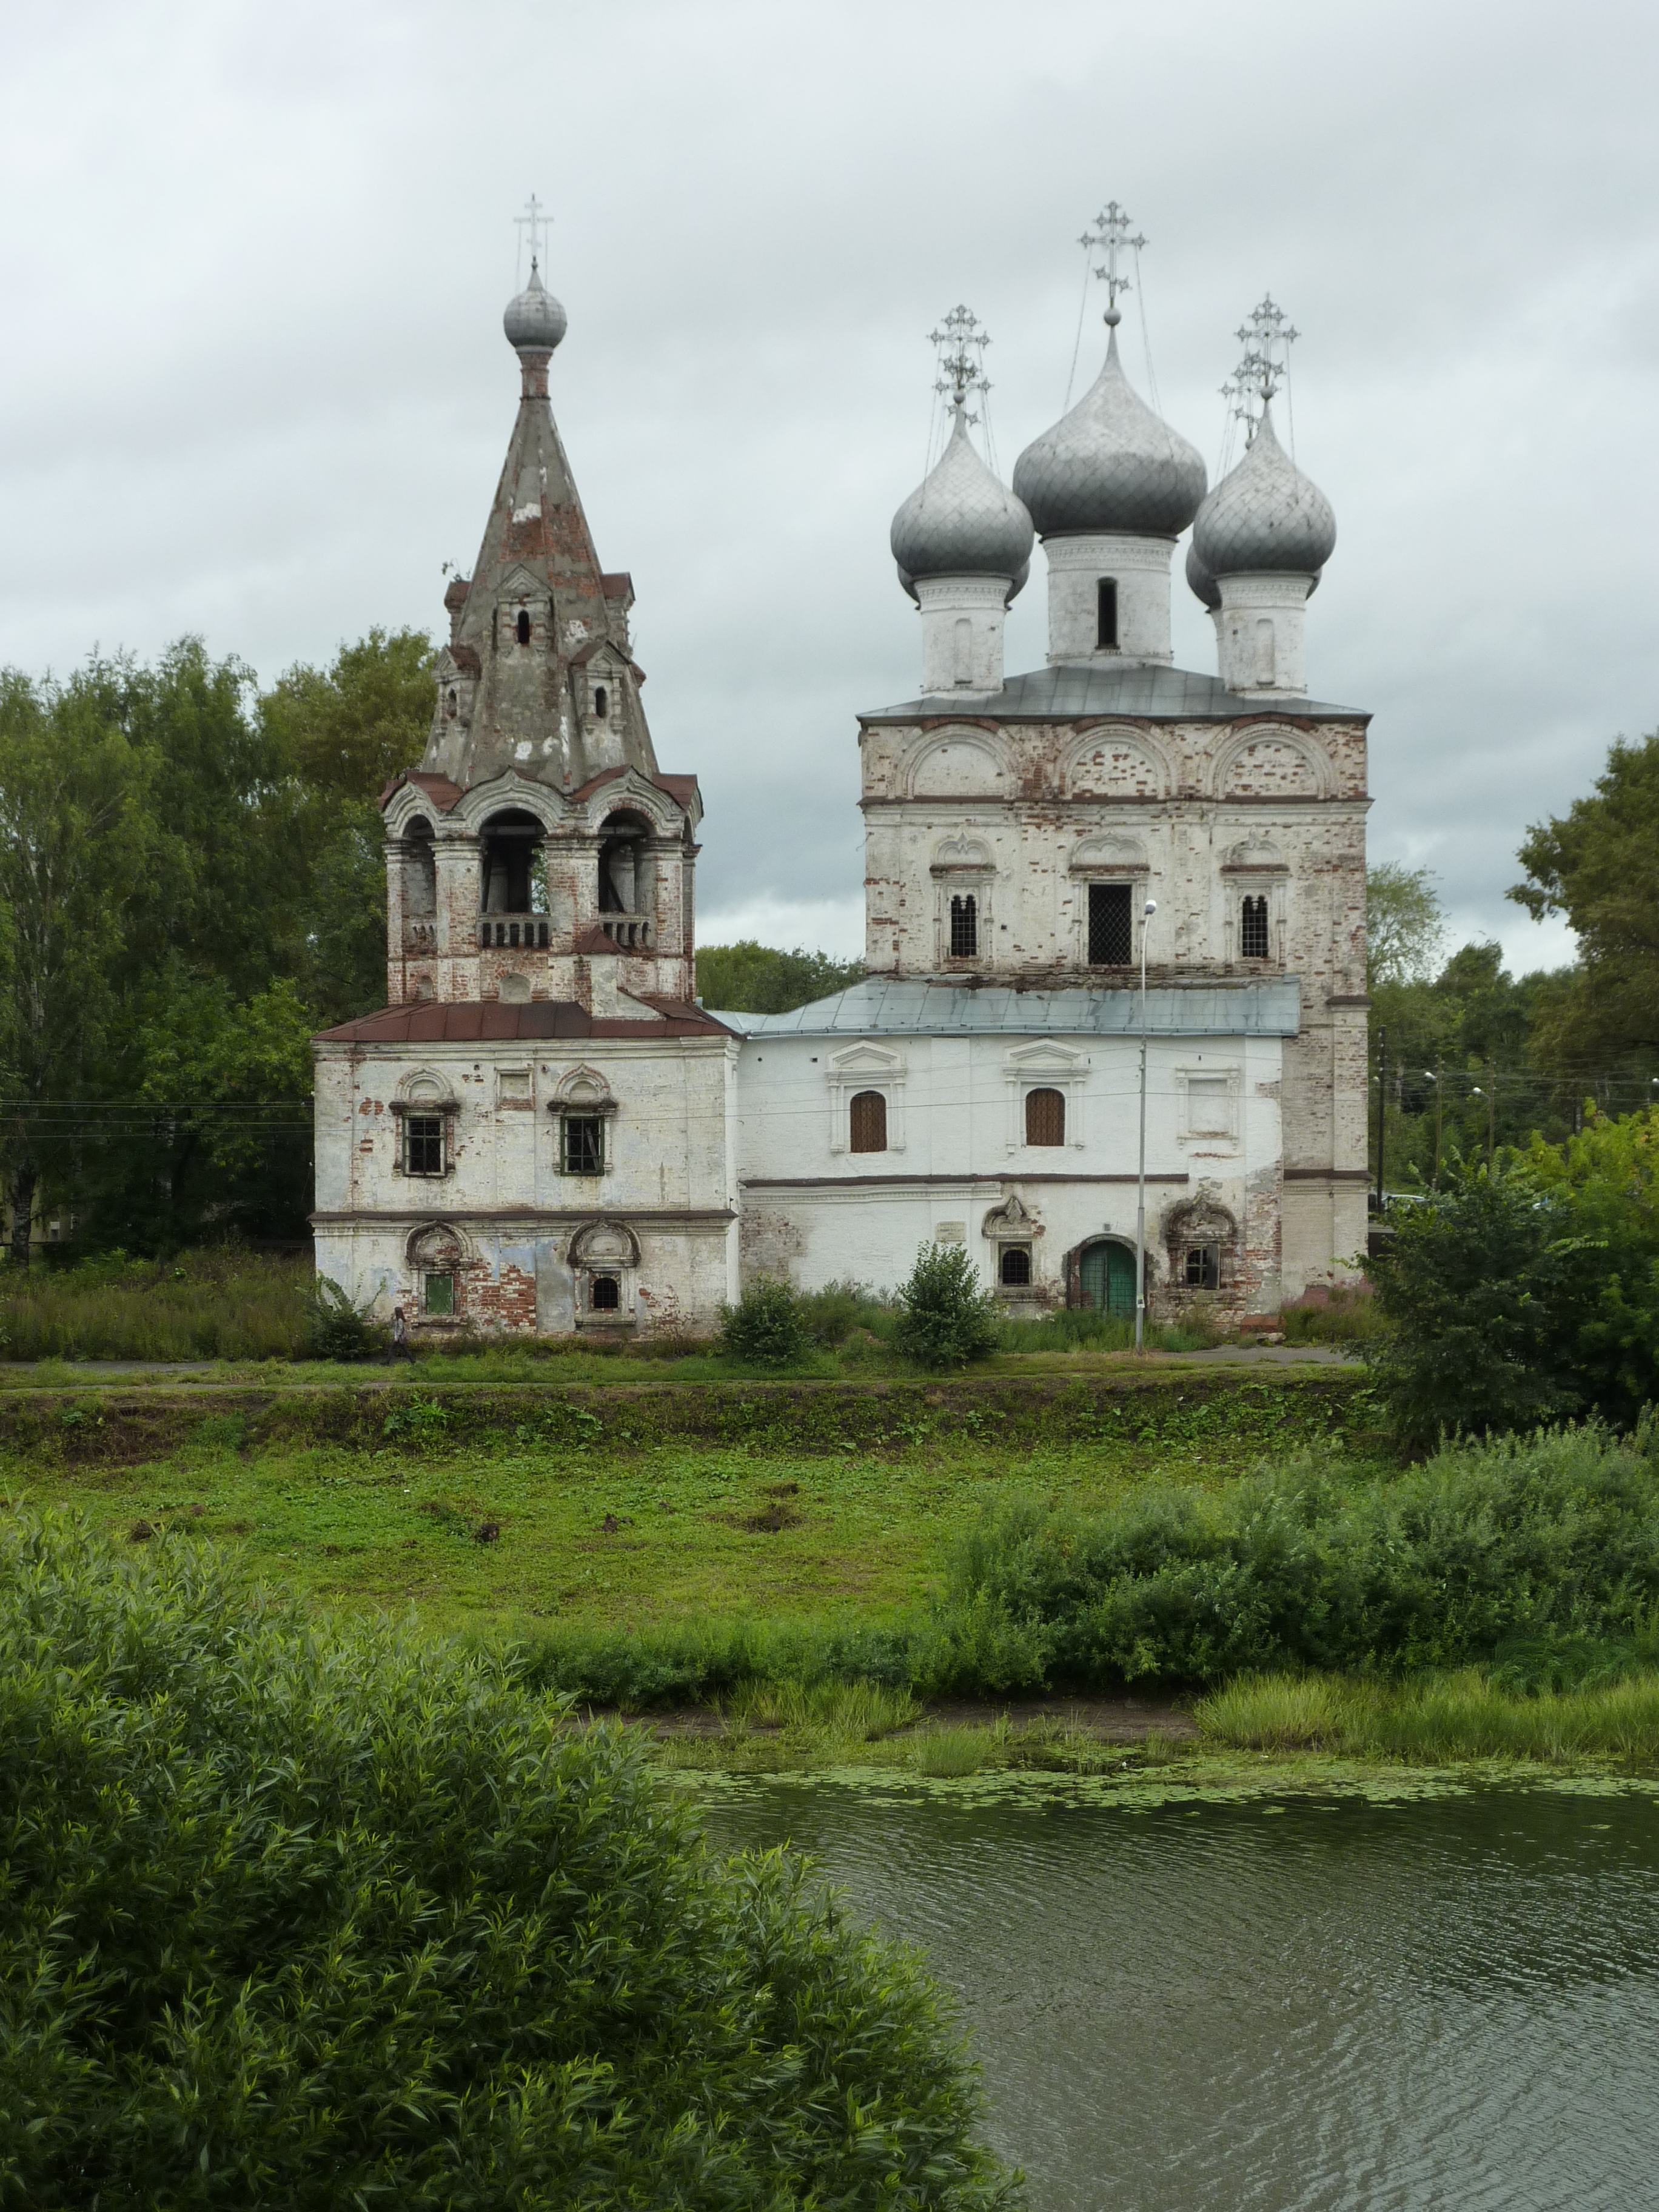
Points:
x=257, y=387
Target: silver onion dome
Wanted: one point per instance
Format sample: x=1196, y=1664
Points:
x=535, y=319
x=1264, y=515
x=1201, y=583
x=1111, y=466
x=962, y=521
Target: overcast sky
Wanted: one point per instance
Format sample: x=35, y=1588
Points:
x=255, y=384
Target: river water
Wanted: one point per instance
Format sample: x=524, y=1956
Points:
x=1449, y=2004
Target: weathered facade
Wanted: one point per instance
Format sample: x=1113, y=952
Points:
x=545, y=1131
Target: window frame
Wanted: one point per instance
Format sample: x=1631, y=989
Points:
x=1254, y=914
x=1206, y=1252
x=855, y=1101
x=430, y=1278
x=568, y=1123
x=1107, y=615
x=1119, y=886
x=1020, y=1255
x=419, y=1127
x=1045, y=1092
x=962, y=922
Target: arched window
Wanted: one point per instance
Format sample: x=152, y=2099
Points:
x=524, y=625
x=869, y=1122
x=1253, y=930
x=1106, y=615
x=964, y=926
x=1016, y=1264
x=451, y=706
x=601, y=701
x=606, y=1296
x=1045, y=1117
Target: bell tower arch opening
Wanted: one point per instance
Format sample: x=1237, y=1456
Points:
x=511, y=879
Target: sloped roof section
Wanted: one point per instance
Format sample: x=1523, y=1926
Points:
x=1078, y=691
x=886, y=1006
x=490, y=1021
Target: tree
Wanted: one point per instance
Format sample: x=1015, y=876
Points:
x=1404, y=926
x=750, y=978
x=1599, y=865
x=945, y=1318
x=300, y=1914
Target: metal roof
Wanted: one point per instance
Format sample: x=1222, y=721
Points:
x=1081, y=690
x=883, y=1006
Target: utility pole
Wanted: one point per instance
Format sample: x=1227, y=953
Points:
x=1438, y=1070
x=1491, y=1112
x=1382, y=1106
x=1140, y=1180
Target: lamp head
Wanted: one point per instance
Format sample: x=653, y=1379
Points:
x=1152, y=908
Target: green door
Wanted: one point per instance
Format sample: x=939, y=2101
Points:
x=1107, y=1278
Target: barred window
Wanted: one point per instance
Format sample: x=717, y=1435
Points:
x=424, y=1138
x=869, y=1122
x=1045, y=1117
x=1016, y=1264
x=1111, y=930
x=1203, y=1267
x=606, y=1294
x=584, y=1145
x=964, y=926
x=1253, y=930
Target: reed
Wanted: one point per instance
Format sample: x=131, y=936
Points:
x=226, y=1304
x=1460, y=1716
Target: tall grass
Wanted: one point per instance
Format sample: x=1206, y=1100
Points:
x=226, y=1304
x=1344, y=1313
x=1466, y=1715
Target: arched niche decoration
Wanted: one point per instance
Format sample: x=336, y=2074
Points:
x=1109, y=854
x=424, y=1090
x=601, y=1244
x=960, y=764
x=435, y=1246
x=1113, y=763
x=962, y=856
x=1272, y=761
x=1254, y=856
x=583, y=1089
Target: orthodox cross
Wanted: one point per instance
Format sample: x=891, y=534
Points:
x=1111, y=231
x=537, y=222
x=961, y=343
x=1266, y=339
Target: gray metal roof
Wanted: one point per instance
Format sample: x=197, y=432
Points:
x=961, y=521
x=1081, y=690
x=883, y=1006
x=1267, y=515
x=1109, y=466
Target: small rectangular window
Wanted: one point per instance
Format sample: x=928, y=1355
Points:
x=424, y=1138
x=964, y=927
x=1203, y=1269
x=1207, y=1114
x=584, y=1145
x=441, y=1294
x=1106, y=615
x=1253, y=930
x=1111, y=926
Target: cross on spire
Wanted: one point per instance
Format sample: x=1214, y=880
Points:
x=535, y=220
x=961, y=341
x=1266, y=339
x=1111, y=231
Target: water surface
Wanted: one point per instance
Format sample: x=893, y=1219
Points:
x=1441, y=2005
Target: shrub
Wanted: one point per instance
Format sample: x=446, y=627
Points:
x=303, y=1916
x=767, y=1327
x=224, y=1304
x=945, y=1320
x=832, y=1313
x=340, y=1330
x=1341, y=1313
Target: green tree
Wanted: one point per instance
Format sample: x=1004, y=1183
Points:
x=750, y=978
x=945, y=1319
x=1598, y=865
x=326, y=1916
x=1405, y=926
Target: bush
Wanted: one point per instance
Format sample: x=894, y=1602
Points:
x=298, y=1916
x=945, y=1320
x=767, y=1327
x=340, y=1330
x=226, y=1304
x=832, y=1313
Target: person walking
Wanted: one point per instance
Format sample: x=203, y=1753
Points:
x=401, y=1348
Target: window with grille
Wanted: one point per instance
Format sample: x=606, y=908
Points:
x=869, y=1122
x=584, y=1145
x=441, y=1294
x=424, y=1139
x=964, y=926
x=1111, y=928
x=1253, y=929
x=1016, y=1264
x=1045, y=1117
x=1106, y=615
x=1203, y=1267
x=606, y=1294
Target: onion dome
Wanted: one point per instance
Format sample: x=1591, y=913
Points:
x=1202, y=584
x=1264, y=516
x=535, y=320
x=1110, y=467
x=962, y=521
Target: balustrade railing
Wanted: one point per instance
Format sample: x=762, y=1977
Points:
x=630, y=932
x=529, y=930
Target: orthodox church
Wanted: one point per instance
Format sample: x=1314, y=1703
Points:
x=1066, y=869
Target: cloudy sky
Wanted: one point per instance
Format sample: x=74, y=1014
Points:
x=255, y=386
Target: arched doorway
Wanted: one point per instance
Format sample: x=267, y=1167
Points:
x=1106, y=1276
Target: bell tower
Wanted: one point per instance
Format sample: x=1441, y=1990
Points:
x=537, y=852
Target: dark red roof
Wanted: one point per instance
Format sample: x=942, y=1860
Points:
x=619, y=585
x=439, y=789
x=432, y=1021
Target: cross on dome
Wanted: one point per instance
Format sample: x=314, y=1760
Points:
x=535, y=220
x=1111, y=231
x=1266, y=339
x=960, y=340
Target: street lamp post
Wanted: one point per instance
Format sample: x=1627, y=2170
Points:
x=1140, y=1179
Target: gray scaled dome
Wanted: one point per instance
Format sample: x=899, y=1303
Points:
x=1264, y=515
x=1201, y=583
x=1110, y=467
x=962, y=521
x=535, y=320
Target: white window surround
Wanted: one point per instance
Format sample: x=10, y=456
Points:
x=865, y=1065
x=1239, y=882
x=1045, y=1064
x=585, y=1092
x=1197, y=1110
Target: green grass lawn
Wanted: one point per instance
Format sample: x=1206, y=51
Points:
x=508, y=1527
